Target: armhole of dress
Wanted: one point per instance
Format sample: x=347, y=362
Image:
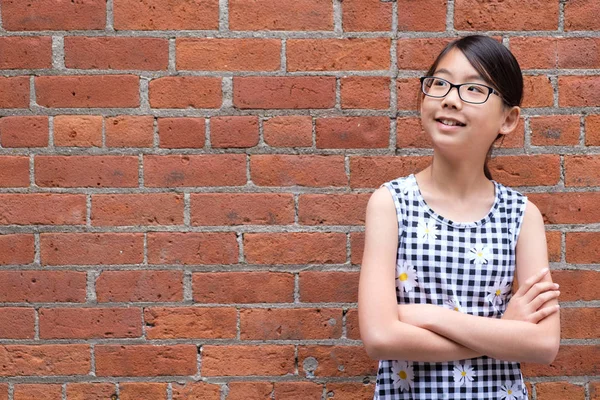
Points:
x=519, y=219
x=397, y=205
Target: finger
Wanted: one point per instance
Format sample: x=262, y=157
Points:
x=543, y=298
x=543, y=313
x=537, y=289
x=524, y=288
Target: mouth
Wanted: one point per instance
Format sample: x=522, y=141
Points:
x=449, y=122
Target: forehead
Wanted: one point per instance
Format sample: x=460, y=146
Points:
x=454, y=65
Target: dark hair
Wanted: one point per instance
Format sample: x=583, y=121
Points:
x=496, y=65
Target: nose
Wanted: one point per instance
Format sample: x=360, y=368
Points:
x=452, y=99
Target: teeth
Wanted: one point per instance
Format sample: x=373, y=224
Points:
x=449, y=122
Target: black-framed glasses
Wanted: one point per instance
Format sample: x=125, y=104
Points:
x=475, y=93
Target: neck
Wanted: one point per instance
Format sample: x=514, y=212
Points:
x=459, y=179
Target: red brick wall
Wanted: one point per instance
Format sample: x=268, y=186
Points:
x=183, y=186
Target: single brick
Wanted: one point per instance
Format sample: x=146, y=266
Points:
x=300, y=170
x=146, y=360
x=192, y=248
x=181, y=132
x=280, y=15
x=25, y=52
x=52, y=15
x=234, y=131
x=166, y=15
x=78, y=130
x=288, y=131
x=24, y=131
x=185, y=91
x=295, y=248
x=353, y=132
x=89, y=323
x=139, y=286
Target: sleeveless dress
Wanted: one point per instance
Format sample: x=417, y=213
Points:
x=468, y=267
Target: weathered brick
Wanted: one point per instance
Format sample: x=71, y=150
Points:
x=535, y=170
x=145, y=360
x=283, y=92
x=134, y=286
x=510, y=15
x=243, y=287
x=559, y=391
x=423, y=15
x=365, y=92
x=300, y=170
x=166, y=15
x=37, y=391
x=89, y=323
x=372, y=171
x=583, y=247
x=215, y=54
x=144, y=390
x=41, y=15
x=15, y=92
x=288, y=131
x=295, y=248
x=17, y=323
x=242, y=208
x=290, y=324
x=78, y=130
x=25, y=52
x=84, y=248
x=116, y=53
x=129, y=131
x=58, y=360
x=250, y=390
x=353, y=132
x=419, y=53
x=181, y=132
x=43, y=286
x=92, y=391
x=185, y=91
x=81, y=91
x=233, y=131
x=335, y=287
x=86, y=171
x=137, y=209
x=582, y=170
x=190, y=323
x=578, y=91
x=332, y=209
x=366, y=15
x=337, y=360
x=280, y=15
x=555, y=130
x=580, y=15
x=338, y=54
x=192, y=248
x=195, y=170
x=298, y=391
x=24, y=131
x=537, y=91
x=235, y=360
x=195, y=390
x=42, y=209
x=579, y=323
x=14, y=171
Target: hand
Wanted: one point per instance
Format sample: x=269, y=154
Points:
x=526, y=303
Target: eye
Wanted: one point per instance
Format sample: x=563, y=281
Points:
x=439, y=82
x=477, y=89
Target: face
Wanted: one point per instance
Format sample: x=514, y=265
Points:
x=462, y=127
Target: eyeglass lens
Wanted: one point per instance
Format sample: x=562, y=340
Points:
x=471, y=92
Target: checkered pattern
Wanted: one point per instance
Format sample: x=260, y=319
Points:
x=457, y=265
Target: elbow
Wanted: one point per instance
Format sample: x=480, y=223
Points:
x=549, y=350
x=376, y=344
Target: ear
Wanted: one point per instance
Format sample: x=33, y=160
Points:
x=511, y=120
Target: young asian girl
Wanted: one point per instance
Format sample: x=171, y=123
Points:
x=443, y=247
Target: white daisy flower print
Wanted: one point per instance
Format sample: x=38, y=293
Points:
x=405, y=186
x=427, y=231
x=509, y=391
x=454, y=304
x=407, y=276
x=403, y=375
x=480, y=254
x=498, y=292
x=463, y=374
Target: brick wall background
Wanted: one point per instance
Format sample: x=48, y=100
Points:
x=183, y=186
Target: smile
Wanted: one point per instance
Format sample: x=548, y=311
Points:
x=450, y=122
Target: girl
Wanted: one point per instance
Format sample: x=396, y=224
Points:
x=443, y=246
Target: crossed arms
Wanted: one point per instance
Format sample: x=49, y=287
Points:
x=528, y=331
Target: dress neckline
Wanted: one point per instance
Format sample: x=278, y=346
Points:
x=448, y=221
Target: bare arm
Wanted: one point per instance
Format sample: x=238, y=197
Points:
x=505, y=339
x=384, y=335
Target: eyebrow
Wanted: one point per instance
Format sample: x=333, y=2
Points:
x=469, y=77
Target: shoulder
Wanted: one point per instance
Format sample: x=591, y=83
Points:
x=513, y=197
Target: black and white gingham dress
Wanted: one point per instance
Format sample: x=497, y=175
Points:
x=468, y=267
